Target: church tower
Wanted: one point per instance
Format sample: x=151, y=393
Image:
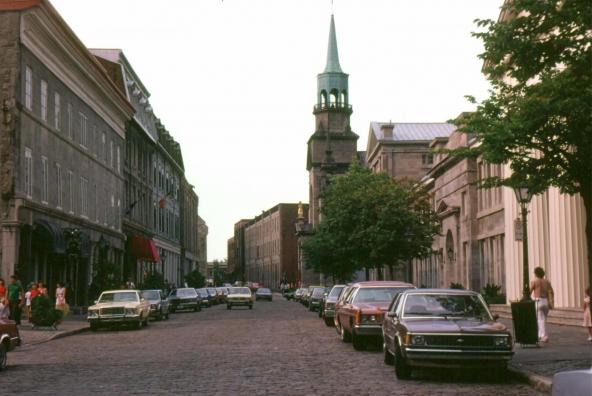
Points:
x=333, y=145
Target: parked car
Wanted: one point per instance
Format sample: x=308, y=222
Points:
x=340, y=301
x=298, y=294
x=444, y=328
x=119, y=307
x=184, y=298
x=9, y=339
x=289, y=294
x=222, y=293
x=360, y=317
x=159, y=304
x=572, y=383
x=238, y=296
x=214, y=298
x=316, y=298
x=263, y=293
x=206, y=300
x=327, y=310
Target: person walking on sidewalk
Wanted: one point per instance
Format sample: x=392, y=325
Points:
x=2, y=289
x=587, y=317
x=60, y=298
x=15, y=298
x=542, y=292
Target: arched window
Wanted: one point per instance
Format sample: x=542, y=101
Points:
x=450, y=253
x=343, y=98
x=333, y=97
x=323, y=98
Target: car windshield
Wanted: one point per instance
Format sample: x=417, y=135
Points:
x=444, y=305
x=186, y=293
x=240, y=290
x=318, y=292
x=377, y=294
x=202, y=292
x=263, y=291
x=151, y=294
x=212, y=291
x=335, y=291
x=119, y=297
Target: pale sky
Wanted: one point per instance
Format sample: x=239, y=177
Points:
x=234, y=81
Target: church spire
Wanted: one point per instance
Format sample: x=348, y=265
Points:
x=332, y=53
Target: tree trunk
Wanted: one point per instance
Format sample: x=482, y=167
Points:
x=587, y=198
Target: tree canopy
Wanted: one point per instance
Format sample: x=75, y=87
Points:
x=538, y=116
x=369, y=221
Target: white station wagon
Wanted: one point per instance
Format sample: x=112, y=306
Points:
x=119, y=307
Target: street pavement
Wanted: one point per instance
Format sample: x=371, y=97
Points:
x=278, y=348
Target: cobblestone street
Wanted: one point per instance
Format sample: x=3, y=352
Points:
x=277, y=348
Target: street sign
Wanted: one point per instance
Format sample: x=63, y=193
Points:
x=518, y=234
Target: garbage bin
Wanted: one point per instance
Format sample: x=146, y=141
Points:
x=526, y=330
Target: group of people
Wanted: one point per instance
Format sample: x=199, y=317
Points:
x=542, y=292
x=13, y=298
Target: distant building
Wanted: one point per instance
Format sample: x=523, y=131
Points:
x=231, y=255
x=239, y=249
x=62, y=137
x=189, y=228
x=202, y=246
x=271, y=246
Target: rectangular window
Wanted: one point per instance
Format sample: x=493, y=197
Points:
x=104, y=147
x=118, y=160
x=70, y=126
x=28, y=172
x=83, y=197
x=59, y=185
x=28, y=88
x=44, y=179
x=57, y=111
x=83, y=131
x=111, y=154
x=463, y=203
x=94, y=141
x=44, y=100
x=70, y=191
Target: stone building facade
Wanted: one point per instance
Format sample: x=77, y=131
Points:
x=202, y=245
x=189, y=228
x=271, y=246
x=61, y=152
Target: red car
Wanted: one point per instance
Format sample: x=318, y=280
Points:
x=359, y=316
x=9, y=338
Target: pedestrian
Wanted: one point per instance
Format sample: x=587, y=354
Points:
x=130, y=284
x=41, y=287
x=15, y=299
x=587, y=317
x=542, y=292
x=29, y=297
x=4, y=309
x=60, y=298
x=2, y=289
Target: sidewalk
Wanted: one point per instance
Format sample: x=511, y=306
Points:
x=72, y=324
x=567, y=349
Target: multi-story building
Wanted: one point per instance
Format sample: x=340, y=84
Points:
x=239, y=249
x=231, y=255
x=271, y=246
x=62, y=141
x=189, y=228
x=141, y=138
x=470, y=246
x=202, y=245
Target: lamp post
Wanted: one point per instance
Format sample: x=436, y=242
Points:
x=523, y=195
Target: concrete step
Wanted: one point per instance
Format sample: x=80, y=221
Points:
x=559, y=316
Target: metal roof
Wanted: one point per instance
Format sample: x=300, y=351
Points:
x=413, y=131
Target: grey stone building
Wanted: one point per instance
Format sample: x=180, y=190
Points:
x=202, y=245
x=62, y=137
x=189, y=228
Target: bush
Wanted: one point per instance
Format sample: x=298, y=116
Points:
x=44, y=312
x=456, y=286
x=195, y=279
x=154, y=280
x=492, y=295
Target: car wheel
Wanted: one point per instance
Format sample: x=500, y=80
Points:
x=160, y=315
x=137, y=325
x=402, y=369
x=251, y=306
x=345, y=336
x=3, y=356
x=329, y=322
x=389, y=359
x=321, y=313
x=229, y=306
x=146, y=322
x=357, y=342
x=94, y=326
x=195, y=309
x=173, y=310
x=500, y=373
x=167, y=316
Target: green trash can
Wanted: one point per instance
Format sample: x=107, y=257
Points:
x=526, y=331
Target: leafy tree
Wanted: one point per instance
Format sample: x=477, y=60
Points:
x=538, y=116
x=369, y=221
x=106, y=277
x=195, y=279
x=154, y=280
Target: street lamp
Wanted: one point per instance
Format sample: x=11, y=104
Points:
x=523, y=195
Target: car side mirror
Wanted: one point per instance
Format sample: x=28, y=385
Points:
x=96, y=301
x=391, y=314
x=495, y=316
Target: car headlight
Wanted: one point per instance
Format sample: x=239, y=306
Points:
x=417, y=340
x=371, y=318
x=501, y=341
x=131, y=311
x=93, y=313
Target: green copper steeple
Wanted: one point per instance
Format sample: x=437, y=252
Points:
x=332, y=53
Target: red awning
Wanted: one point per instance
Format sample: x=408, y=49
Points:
x=144, y=249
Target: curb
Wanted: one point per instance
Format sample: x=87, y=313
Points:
x=61, y=334
x=537, y=381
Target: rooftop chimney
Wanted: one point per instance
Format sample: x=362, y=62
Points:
x=387, y=130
